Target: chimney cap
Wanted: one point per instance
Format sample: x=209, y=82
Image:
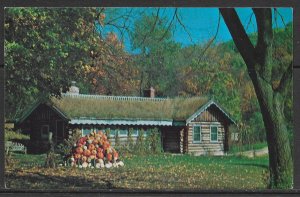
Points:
x=73, y=89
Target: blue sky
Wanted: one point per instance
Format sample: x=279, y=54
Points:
x=201, y=23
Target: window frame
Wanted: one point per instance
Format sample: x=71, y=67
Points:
x=200, y=134
x=43, y=135
x=123, y=135
x=210, y=132
x=133, y=133
x=82, y=128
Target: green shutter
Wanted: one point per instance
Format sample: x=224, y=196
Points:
x=214, y=133
x=196, y=134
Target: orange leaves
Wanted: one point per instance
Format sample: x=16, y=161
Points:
x=101, y=19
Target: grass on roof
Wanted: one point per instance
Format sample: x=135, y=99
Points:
x=177, y=108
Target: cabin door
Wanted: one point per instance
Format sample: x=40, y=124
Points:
x=171, y=140
x=59, y=135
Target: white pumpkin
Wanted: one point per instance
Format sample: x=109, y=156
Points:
x=98, y=165
x=120, y=163
x=85, y=164
x=108, y=165
x=101, y=161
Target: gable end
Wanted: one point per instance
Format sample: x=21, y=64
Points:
x=204, y=108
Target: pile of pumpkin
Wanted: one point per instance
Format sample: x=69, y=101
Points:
x=94, y=151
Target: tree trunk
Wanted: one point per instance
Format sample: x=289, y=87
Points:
x=271, y=100
x=280, y=159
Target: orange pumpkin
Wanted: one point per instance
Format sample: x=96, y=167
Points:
x=91, y=138
x=83, y=158
x=104, y=146
x=79, y=150
x=95, y=142
x=109, y=157
x=77, y=156
x=83, y=139
x=92, y=157
x=94, y=152
x=100, y=132
x=91, y=147
x=100, y=155
x=87, y=152
x=104, y=137
x=116, y=155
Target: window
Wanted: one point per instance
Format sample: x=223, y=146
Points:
x=86, y=131
x=45, y=131
x=213, y=133
x=112, y=132
x=196, y=134
x=123, y=132
x=135, y=132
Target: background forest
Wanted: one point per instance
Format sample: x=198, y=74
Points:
x=45, y=51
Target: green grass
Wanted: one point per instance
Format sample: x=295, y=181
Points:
x=164, y=171
x=238, y=148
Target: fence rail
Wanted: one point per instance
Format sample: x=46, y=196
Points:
x=119, y=98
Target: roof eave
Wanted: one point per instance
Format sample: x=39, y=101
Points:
x=204, y=107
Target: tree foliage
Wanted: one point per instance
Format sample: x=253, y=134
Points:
x=44, y=50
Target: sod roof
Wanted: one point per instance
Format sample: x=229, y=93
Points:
x=118, y=107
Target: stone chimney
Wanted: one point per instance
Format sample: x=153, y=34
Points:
x=73, y=89
x=149, y=92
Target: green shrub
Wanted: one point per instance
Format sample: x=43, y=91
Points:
x=140, y=143
x=14, y=135
x=155, y=141
x=130, y=143
x=107, y=132
x=65, y=148
x=117, y=139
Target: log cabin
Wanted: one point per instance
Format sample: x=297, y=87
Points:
x=193, y=125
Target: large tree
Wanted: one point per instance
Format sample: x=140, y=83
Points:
x=270, y=95
x=45, y=49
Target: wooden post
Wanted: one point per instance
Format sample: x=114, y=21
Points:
x=181, y=140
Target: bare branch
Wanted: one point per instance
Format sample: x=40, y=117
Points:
x=281, y=17
x=211, y=40
x=250, y=21
x=153, y=27
x=183, y=26
x=169, y=26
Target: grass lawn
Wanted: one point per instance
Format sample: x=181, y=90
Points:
x=163, y=171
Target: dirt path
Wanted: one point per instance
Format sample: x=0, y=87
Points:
x=252, y=153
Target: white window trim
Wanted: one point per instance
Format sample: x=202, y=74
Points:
x=123, y=135
x=137, y=133
x=44, y=136
x=197, y=142
x=214, y=141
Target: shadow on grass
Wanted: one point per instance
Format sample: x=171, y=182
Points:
x=41, y=181
x=251, y=164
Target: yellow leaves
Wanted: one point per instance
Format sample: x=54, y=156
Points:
x=148, y=172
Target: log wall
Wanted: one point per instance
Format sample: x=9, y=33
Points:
x=208, y=118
